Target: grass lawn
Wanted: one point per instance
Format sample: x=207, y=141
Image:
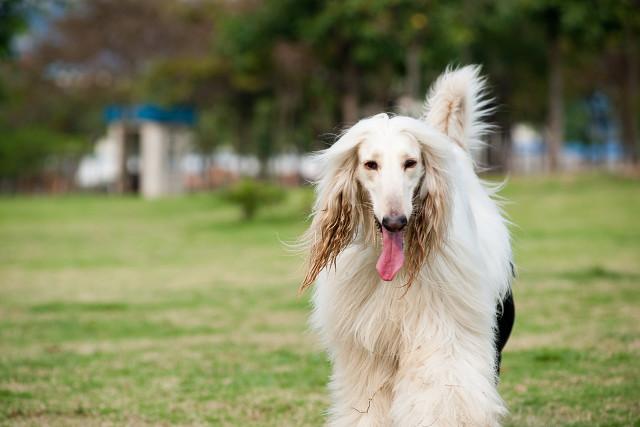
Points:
x=118, y=311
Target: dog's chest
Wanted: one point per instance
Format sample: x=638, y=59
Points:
x=354, y=305
x=379, y=321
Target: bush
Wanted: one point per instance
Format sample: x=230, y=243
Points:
x=251, y=195
x=24, y=152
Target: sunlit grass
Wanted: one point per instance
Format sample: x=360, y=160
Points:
x=120, y=311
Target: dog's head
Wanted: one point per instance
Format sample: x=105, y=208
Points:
x=388, y=179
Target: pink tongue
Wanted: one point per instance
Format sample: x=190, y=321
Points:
x=392, y=256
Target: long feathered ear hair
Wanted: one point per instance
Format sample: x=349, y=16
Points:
x=341, y=210
x=427, y=228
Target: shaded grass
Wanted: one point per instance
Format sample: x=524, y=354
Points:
x=115, y=310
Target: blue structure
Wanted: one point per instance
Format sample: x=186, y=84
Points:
x=179, y=115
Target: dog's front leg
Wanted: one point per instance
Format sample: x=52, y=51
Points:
x=360, y=388
x=446, y=386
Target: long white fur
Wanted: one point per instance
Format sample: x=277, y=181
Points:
x=423, y=356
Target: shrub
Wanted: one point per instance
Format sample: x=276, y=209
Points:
x=251, y=195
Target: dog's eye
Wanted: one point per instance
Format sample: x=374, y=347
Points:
x=371, y=165
x=410, y=164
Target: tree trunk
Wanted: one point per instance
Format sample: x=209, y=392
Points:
x=555, y=123
x=264, y=154
x=500, y=156
x=413, y=71
x=349, y=101
x=242, y=147
x=499, y=159
x=206, y=171
x=629, y=93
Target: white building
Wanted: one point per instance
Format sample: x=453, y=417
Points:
x=142, y=152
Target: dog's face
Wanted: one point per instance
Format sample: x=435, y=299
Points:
x=386, y=172
x=390, y=168
x=396, y=172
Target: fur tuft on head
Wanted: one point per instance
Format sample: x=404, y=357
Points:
x=457, y=104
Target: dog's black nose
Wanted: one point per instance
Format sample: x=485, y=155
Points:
x=394, y=223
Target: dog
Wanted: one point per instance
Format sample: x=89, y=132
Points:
x=412, y=264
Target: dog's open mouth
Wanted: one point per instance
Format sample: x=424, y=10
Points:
x=392, y=255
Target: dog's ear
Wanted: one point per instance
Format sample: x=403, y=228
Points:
x=337, y=211
x=431, y=209
x=457, y=106
x=342, y=209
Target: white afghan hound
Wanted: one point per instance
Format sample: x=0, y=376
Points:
x=412, y=263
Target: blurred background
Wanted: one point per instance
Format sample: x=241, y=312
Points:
x=157, y=97
x=154, y=154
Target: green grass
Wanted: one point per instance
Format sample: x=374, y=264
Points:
x=118, y=311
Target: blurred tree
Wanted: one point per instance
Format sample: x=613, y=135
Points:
x=93, y=54
x=26, y=153
x=12, y=21
x=321, y=59
x=576, y=33
x=272, y=75
x=601, y=50
x=551, y=15
x=108, y=44
x=621, y=27
x=515, y=67
x=555, y=39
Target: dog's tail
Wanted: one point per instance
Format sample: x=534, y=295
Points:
x=457, y=105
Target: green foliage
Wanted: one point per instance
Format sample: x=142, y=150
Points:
x=275, y=75
x=12, y=21
x=577, y=123
x=251, y=195
x=22, y=153
x=25, y=152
